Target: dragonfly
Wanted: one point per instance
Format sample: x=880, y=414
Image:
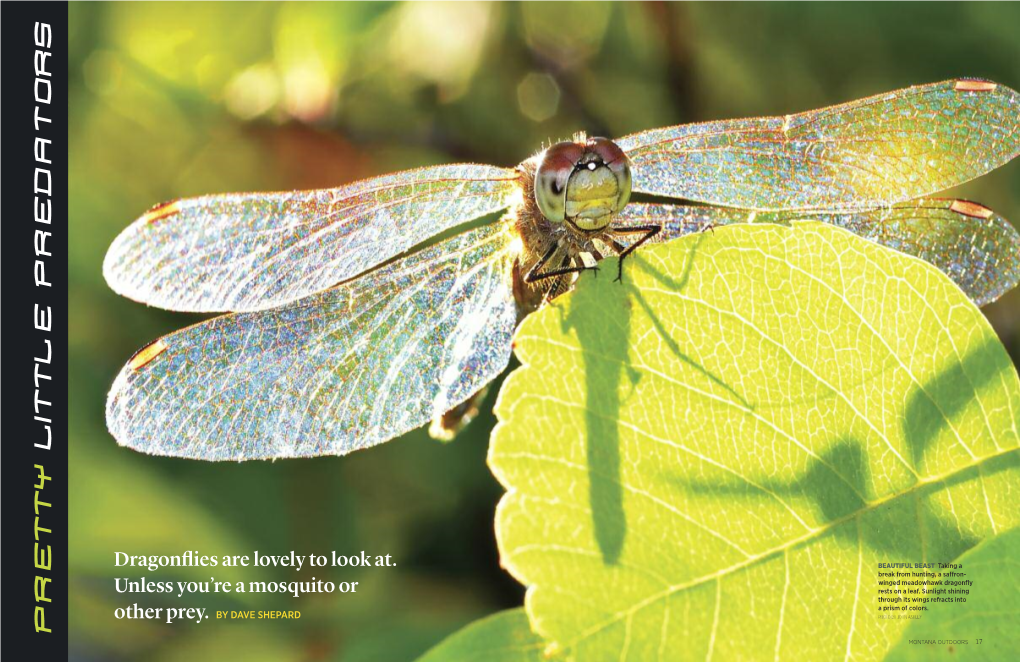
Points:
x=349, y=324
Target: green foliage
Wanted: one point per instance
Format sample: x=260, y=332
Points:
x=711, y=460
x=992, y=611
x=502, y=637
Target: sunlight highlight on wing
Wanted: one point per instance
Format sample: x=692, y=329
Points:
x=978, y=249
x=348, y=368
x=864, y=154
x=252, y=251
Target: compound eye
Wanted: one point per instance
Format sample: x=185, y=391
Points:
x=551, y=178
x=616, y=160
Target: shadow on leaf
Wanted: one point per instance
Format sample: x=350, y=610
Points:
x=604, y=342
x=931, y=407
x=906, y=527
x=600, y=314
x=677, y=285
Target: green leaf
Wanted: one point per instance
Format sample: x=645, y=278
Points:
x=502, y=637
x=990, y=619
x=709, y=461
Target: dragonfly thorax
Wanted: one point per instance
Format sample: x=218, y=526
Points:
x=583, y=182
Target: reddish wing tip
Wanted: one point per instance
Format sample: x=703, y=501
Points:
x=161, y=211
x=972, y=209
x=146, y=354
x=974, y=85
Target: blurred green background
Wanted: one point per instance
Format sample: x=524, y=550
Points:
x=170, y=100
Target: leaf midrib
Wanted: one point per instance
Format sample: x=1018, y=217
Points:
x=792, y=544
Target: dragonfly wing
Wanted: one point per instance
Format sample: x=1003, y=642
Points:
x=340, y=370
x=978, y=249
x=252, y=251
x=869, y=153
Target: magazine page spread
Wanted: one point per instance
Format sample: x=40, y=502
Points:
x=513, y=332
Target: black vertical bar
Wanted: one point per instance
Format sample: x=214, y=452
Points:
x=33, y=329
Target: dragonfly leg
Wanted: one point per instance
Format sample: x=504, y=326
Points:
x=646, y=232
x=535, y=274
x=554, y=289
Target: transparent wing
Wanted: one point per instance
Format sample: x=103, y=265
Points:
x=344, y=369
x=868, y=153
x=975, y=247
x=252, y=251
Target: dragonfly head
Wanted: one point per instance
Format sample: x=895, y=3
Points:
x=583, y=182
